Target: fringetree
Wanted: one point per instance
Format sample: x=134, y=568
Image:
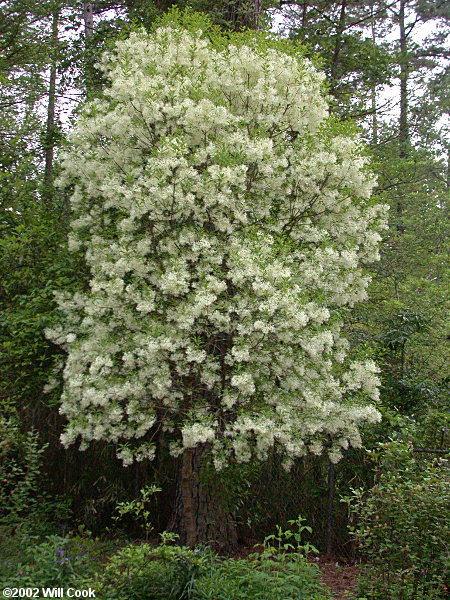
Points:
x=225, y=218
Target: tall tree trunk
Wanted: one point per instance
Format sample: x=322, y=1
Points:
x=374, y=85
x=403, y=129
x=242, y=14
x=257, y=10
x=187, y=498
x=88, y=19
x=448, y=167
x=304, y=15
x=404, y=73
x=330, y=508
x=199, y=515
x=49, y=146
x=340, y=27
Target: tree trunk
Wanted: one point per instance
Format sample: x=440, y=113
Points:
x=242, y=14
x=404, y=73
x=330, y=508
x=304, y=16
x=374, y=85
x=89, y=70
x=88, y=18
x=340, y=28
x=448, y=167
x=199, y=516
x=50, y=127
x=403, y=129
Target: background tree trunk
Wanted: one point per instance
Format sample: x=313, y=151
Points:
x=50, y=126
x=242, y=14
x=404, y=74
x=374, y=85
x=403, y=128
x=340, y=28
x=89, y=48
x=88, y=19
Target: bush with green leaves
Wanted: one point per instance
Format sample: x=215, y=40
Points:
x=55, y=562
x=403, y=528
x=177, y=573
x=20, y=464
x=143, y=571
x=263, y=579
x=25, y=506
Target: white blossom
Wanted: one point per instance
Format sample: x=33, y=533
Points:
x=225, y=220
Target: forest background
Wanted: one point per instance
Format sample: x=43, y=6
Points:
x=387, y=70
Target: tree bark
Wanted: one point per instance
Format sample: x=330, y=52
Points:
x=199, y=516
x=404, y=73
x=242, y=14
x=187, y=497
x=89, y=70
x=88, y=18
x=330, y=508
x=403, y=129
x=304, y=15
x=340, y=27
x=374, y=86
x=448, y=168
x=49, y=149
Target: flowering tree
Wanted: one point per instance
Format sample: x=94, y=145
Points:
x=224, y=218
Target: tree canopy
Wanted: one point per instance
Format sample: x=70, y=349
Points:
x=225, y=219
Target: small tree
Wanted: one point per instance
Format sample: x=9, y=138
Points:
x=224, y=218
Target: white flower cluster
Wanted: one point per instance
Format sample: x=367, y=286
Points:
x=225, y=219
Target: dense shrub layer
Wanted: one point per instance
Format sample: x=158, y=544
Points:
x=403, y=529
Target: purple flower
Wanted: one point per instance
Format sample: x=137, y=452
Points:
x=59, y=552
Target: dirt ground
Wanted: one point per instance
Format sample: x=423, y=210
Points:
x=339, y=577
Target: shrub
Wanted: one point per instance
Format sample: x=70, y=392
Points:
x=20, y=463
x=178, y=573
x=281, y=578
x=403, y=529
x=56, y=562
x=50, y=564
x=25, y=507
x=162, y=573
